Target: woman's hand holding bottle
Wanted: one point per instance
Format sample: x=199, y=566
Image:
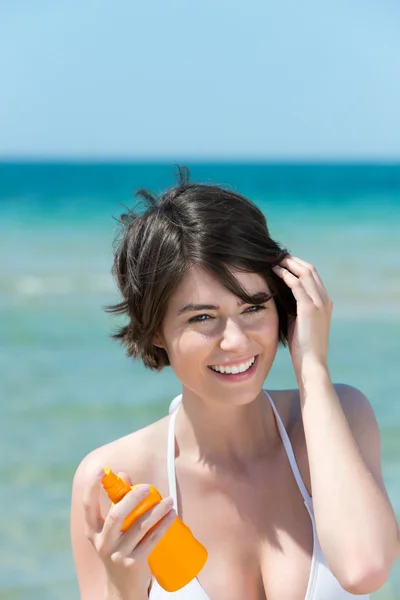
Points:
x=124, y=554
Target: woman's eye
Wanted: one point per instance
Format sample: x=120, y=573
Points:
x=256, y=308
x=203, y=318
x=199, y=319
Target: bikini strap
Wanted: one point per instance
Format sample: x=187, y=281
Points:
x=171, y=451
x=290, y=454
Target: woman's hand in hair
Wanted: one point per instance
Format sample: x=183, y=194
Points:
x=308, y=334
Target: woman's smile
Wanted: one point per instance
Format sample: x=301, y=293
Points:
x=240, y=370
x=234, y=373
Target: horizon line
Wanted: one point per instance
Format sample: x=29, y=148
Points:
x=200, y=160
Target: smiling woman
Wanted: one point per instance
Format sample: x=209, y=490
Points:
x=283, y=488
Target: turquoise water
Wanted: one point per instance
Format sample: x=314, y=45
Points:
x=67, y=388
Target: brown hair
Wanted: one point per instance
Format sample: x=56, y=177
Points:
x=190, y=224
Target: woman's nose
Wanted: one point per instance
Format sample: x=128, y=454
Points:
x=233, y=337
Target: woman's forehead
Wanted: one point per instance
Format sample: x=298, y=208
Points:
x=200, y=286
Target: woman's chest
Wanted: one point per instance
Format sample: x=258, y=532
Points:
x=256, y=529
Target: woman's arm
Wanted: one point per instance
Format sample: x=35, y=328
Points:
x=354, y=518
x=131, y=455
x=355, y=521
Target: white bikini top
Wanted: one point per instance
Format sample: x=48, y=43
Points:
x=322, y=584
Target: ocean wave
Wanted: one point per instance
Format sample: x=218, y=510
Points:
x=38, y=285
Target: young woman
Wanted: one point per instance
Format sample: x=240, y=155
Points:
x=284, y=488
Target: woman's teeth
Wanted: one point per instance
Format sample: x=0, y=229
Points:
x=234, y=369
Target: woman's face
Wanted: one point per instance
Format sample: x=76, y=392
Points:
x=207, y=329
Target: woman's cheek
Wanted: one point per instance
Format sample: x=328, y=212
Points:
x=187, y=350
x=266, y=333
x=269, y=326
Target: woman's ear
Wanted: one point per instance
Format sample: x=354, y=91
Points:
x=158, y=340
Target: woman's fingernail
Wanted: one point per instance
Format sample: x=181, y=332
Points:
x=168, y=501
x=144, y=489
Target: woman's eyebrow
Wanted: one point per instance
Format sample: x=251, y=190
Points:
x=193, y=307
x=258, y=297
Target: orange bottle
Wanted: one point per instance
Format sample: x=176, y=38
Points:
x=178, y=556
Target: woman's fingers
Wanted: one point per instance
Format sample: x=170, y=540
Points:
x=106, y=534
x=125, y=477
x=144, y=548
x=304, y=291
x=112, y=528
x=312, y=269
x=142, y=526
x=299, y=276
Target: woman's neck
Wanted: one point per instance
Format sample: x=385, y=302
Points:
x=225, y=436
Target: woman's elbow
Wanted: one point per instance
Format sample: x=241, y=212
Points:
x=366, y=579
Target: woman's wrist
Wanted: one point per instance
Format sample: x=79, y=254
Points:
x=114, y=593
x=118, y=596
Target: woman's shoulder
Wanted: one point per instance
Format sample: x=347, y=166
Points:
x=287, y=404
x=136, y=454
x=354, y=403
x=357, y=410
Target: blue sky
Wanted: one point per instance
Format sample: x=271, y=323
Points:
x=201, y=79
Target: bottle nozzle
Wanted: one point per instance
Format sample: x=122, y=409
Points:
x=115, y=487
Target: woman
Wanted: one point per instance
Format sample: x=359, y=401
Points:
x=284, y=488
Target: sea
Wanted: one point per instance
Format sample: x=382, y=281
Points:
x=66, y=387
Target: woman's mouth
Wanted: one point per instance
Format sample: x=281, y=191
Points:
x=238, y=372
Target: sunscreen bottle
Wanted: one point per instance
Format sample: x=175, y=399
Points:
x=179, y=556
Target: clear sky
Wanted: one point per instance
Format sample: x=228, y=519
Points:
x=154, y=79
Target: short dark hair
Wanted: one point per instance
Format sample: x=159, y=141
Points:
x=192, y=224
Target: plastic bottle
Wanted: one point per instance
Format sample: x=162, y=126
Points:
x=178, y=556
